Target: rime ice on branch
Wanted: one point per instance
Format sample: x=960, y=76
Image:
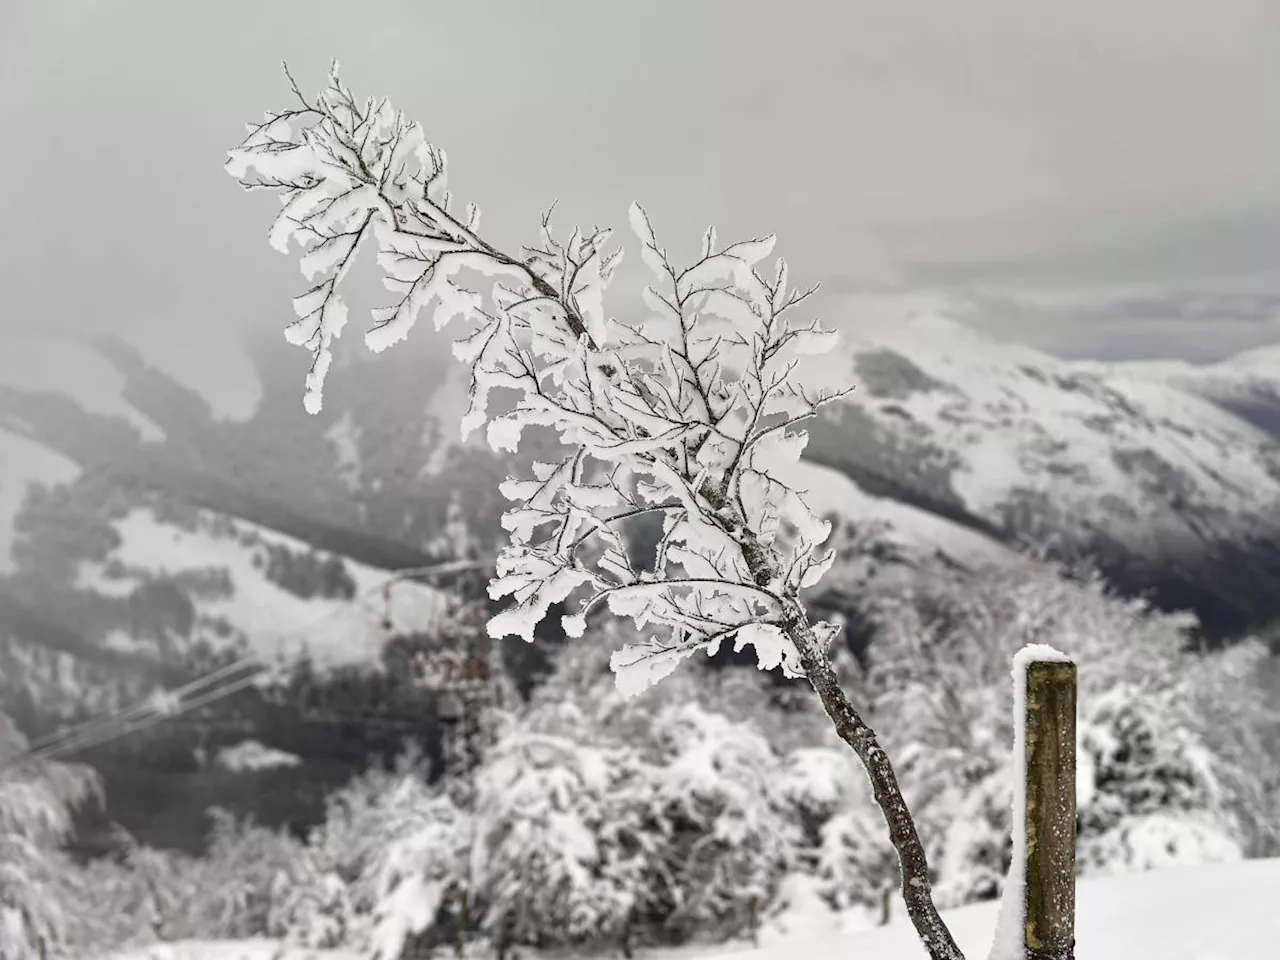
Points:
x=688, y=416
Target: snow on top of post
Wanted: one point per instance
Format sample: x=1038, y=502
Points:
x=1034, y=653
x=1010, y=934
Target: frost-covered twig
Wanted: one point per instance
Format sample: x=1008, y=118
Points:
x=692, y=414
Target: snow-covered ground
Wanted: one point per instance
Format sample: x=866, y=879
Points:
x=274, y=621
x=211, y=362
x=74, y=370
x=998, y=427
x=1220, y=912
x=1245, y=375
x=830, y=492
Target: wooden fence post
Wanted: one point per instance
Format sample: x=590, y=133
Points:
x=1050, y=810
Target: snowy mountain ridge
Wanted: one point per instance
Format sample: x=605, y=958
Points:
x=1249, y=372
x=1003, y=420
x=341, y=622
x=1155, y=481
x=1247, y=384
x=951, y=443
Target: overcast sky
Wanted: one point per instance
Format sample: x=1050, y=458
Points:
x=1095, y=177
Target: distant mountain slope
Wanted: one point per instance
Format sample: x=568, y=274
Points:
x=951, y=442
x=1247, y=384
x=889, y=523
x=1169, y=491
x=258, y=589
x=175, y=586
x=131, y=517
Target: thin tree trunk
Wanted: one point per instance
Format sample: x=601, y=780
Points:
x=917, y=892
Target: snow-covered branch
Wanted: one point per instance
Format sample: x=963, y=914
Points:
x=693, y=412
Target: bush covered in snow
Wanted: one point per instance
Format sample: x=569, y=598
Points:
x=842, y=844
x=1172, y=764
x=227, y=893
x=672, y=817
x=37, y=803
x=580, y=831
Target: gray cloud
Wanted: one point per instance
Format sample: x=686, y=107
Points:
x=986, y=148
x=1193, y=325
x=1226, y=248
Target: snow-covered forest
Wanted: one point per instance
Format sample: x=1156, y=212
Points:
x=713, y=806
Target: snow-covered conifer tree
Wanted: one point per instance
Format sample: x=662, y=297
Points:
x=37, y=803
x=691, y=416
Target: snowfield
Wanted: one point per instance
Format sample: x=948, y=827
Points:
x=273, y=621
x=1220, y=912
x=41, y=364
x=1251, y=374
x=829, y=492
x=1021, y=440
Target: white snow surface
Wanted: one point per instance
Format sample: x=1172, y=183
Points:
x=1218, y=912
x=211, y=361
x=230, y=950
x=274, y=622
x=24, y=463
x=828, y=491
x=72, y=369
x=253, y=755
x=1249, y=375
x=1105, y=449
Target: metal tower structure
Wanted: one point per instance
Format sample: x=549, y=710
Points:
x=466, y=678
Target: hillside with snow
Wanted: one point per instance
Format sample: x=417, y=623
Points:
x=1247, y=384
x=1162, y=486
x=907, y=531
x=951, y=445
x=179, y=586
x=242, y=599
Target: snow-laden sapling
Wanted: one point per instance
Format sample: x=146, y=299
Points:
x=692, y=415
